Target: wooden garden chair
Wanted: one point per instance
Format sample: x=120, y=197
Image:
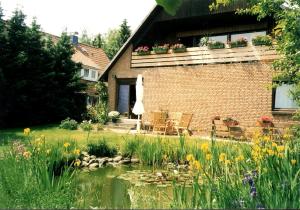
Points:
x=159, y=122
x=183, y=123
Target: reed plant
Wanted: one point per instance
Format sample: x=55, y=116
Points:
x=32, y=176
x=265, y=174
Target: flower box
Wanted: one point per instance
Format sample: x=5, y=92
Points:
x=178, y=48
x=143, y=50
x=161, y=49
x=229, y=122
x=265, y=121
x=144, y=53
x=215, y=45
x=262, y=40
x=242, y=42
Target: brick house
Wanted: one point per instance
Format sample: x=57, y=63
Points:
x=93, y=61
x=230, y=82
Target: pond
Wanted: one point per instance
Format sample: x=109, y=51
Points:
x=120, y=187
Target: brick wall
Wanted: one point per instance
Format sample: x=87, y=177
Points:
x=238, y=90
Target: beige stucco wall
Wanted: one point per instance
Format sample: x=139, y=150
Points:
x=238, y=90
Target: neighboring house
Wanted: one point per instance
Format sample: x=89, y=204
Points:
x=93, y=61
x=224, y=82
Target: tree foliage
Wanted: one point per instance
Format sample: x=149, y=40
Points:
x=85, y=38
x=170, y=6
x=38, y=79
x=98, y=41
x=115, y=39
x=111, y=42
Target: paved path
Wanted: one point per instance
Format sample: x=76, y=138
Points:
x=145, y=133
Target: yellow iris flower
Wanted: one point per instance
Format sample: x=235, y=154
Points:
x=67, y=144
x=26, y=131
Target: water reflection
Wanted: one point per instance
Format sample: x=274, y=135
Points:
x=103, y=189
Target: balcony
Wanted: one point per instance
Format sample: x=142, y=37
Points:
x=203, y=55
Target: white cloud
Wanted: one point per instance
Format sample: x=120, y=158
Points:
x=93, y=15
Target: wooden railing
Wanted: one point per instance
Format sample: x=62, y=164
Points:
x=203, y=55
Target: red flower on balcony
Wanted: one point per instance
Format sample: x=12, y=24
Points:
x=143, y=50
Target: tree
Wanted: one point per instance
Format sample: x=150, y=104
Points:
x=111, y=45
x=98, y=41
x=85, y=38
x=38, y=80
x=124, y=33
x=66, y=86
x=115, y=39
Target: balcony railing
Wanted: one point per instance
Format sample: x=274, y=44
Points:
x=203, y=55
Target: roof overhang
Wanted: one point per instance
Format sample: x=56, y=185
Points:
x=104, y=76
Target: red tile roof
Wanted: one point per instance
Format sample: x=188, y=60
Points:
x=87, y=55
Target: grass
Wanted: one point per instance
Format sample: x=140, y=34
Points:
x=53, y=135
x=264, y=174
x=36, y=176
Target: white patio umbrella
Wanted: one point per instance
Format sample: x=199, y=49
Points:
x=138, y=108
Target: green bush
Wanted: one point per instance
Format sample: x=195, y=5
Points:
x=68, y=124
x=101, y=149
x=86, y=125
x=262, y=40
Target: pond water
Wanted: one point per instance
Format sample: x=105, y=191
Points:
x=111, y=187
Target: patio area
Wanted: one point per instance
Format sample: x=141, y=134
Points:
x=174, y=124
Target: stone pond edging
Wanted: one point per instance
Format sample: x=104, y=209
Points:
x=91, y=162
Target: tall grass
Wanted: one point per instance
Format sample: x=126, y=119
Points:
x=265, y=175
x=31, y=177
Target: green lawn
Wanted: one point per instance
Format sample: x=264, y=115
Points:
x=53, y=135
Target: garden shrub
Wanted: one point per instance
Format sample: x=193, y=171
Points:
x=69, y=124
x=86, y=125
x=101, y=149
x=97, y=114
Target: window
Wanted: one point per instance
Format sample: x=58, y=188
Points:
x=86, y=73
x=220, y=38
x=283, y=99
x=93, y=74
x=248, y=36
x=80, y=73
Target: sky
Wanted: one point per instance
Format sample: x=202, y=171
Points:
x=95, y=16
